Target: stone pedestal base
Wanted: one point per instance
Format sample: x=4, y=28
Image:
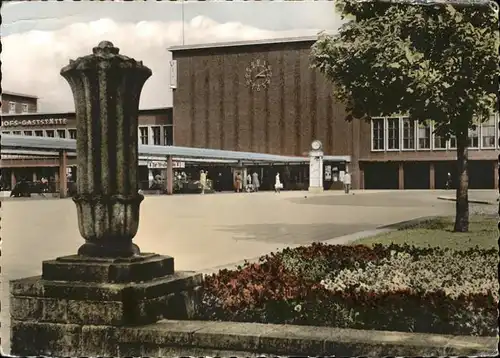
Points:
x=74, y=292
x=316, y=189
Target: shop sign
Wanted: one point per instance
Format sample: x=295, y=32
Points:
x=163, y=165
x=35, y=122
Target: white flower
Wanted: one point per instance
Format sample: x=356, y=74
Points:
x=448, y=271
x=298, y=308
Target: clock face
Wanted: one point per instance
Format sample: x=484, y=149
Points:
x=316, y=145
x=258, y=75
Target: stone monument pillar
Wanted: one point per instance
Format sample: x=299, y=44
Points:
x=106, y=87
x=316, y=167
x=76, y=305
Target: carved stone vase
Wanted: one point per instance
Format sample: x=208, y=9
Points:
x=106, y=88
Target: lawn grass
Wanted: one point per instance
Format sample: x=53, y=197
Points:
x=483, y=232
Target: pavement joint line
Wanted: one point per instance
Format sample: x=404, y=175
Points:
x=471, y=201
x=340, y=240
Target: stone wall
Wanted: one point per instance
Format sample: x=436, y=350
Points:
x=197, y=338
x=57, y=319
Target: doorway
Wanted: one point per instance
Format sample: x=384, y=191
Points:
x=383, y=175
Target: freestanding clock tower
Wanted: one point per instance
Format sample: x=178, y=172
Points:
x=316, y=167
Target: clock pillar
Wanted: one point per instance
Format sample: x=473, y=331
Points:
x=316, y=168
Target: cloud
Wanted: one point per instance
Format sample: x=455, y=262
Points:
x=31, y=61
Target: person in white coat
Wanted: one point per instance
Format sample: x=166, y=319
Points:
x=249, y=187
x=347, y=182
x=203, y=181
x=277, y=184
x=255, y=181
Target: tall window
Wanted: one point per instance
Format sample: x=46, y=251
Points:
x=408, y=134
x=61, y=133
x=143, y=132
x=72, y=133
x=424, y=135
x=378, y=134
x=12, y=107
x=50, y=133
x=28, y=133
x=453, y=142
x=25, y=108
x=474, y=137
x=438, y=141
x=488, y=133
x=393, y=133
x=156, y=135
x=168, y=135
x=39, y=133
x=498, y=141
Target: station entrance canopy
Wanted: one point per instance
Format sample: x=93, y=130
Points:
x=29, y=145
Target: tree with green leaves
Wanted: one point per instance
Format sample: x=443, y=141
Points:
x=429, y=62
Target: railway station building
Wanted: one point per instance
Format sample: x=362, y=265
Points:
x=263, y=96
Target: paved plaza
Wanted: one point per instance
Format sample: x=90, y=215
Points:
x=203, y=231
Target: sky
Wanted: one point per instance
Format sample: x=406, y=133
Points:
x=39, y=38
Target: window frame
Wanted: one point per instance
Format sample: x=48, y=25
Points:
x=11, y=105
x=433, y=140
x=429, y=137
x=37, y=131
x=28, y=135
x=47, y=131
x=141, y=136
x=497, y=124
x=450, y=147
x=25, y=108
x=403, y=120
x=478, y=136
x=153, y=128
x=70, y=131
x=164, y=129
x=383, y=133
x=61, y=130
x=398, y=121
x=492, y=118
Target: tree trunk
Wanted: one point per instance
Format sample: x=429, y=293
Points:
x=462, y=205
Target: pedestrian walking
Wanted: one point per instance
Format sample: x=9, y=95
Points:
x=255, y=181
x=448, y=181
x=203, y=181
x=347, y=182
x=218, y=182
x=237, y=182
x=277, y=184
x=249, y=186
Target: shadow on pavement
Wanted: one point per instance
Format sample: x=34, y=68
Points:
x=293, y=233
x=371, y=200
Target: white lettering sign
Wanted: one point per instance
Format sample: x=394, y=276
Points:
x=163, y=165
x=34, y=122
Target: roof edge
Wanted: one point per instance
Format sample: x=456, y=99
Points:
x=68, y=113
x=18, y=94
x=200, y=46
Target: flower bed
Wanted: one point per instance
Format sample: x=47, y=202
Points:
x=398, y=288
